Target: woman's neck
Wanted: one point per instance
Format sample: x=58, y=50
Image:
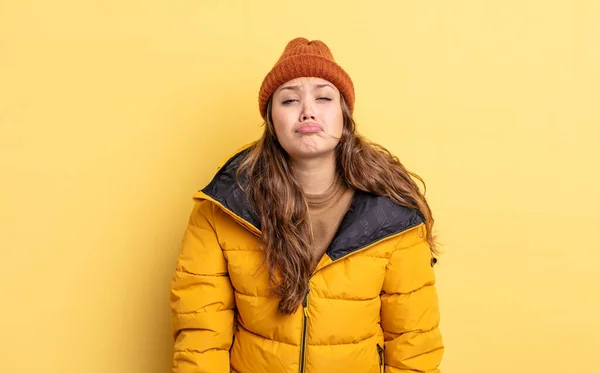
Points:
x=315, y=175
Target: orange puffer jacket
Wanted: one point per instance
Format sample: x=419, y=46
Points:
x=371, y=307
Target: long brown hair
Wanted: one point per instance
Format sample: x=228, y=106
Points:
x=279, y=203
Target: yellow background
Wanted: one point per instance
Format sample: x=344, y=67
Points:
x=113, y=113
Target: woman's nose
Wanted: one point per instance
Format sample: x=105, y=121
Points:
x=307, y=112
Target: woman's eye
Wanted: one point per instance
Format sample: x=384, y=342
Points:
x=324, y=98
x=289, y=101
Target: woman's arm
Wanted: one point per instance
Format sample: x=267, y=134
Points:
x=202, y=299
x=409, y=308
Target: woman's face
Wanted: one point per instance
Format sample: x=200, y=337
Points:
x=307, y=116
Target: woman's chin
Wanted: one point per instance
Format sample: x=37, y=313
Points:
x=311, y=152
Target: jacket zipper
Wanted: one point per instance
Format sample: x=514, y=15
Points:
x=381, y=358
x=304, y=329
x=257, y=232
x=305, y=307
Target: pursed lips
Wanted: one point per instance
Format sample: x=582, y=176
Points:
x=309, y=127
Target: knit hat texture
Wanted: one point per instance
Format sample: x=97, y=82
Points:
x=303, y=58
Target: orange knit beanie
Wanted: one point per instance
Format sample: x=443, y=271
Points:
x=303, y=58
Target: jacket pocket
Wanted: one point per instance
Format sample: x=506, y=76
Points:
x=381, y=358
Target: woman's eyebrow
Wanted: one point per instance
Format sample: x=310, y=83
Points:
x=292, y=87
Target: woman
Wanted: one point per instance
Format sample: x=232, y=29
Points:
x=311, y=249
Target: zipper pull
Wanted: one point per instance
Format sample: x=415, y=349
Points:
x=381, y=358
x=305, y=301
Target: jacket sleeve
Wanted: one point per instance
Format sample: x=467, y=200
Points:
x=409, y=308
x=202, y=299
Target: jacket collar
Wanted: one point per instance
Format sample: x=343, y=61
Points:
x=369, y=219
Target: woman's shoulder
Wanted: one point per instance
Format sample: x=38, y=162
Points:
x=224, y=191
x=224, y=176
x=384, y=209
